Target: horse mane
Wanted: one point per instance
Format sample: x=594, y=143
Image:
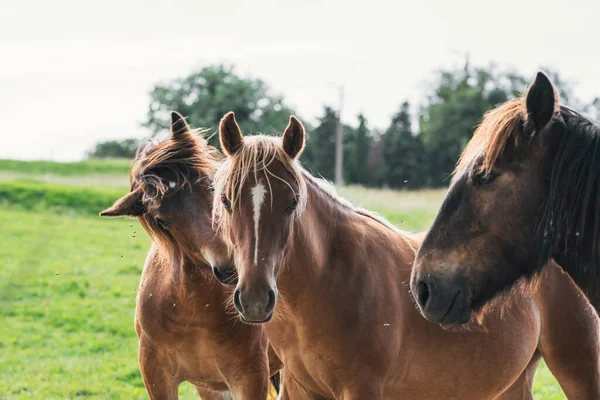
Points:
x=188, y=158
x=572, y=209
x=256, y=154
x=329, y=189
x=497, y=127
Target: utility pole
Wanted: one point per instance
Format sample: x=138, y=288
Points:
x=339, y=143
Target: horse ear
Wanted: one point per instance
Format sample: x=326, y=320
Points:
x=294, y=138
x=178, y=125
x=129, y=205
x=541, y=101
x=229, y=134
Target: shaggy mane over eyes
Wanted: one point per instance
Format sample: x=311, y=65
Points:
x=186, y=159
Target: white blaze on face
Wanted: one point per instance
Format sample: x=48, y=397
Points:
x=258, y=198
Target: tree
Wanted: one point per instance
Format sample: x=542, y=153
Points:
x=566, y=94
x=319, y=156
x=459, y=100
x=114, y=149
x=357, y=157
x=403, y=153
x=375, y=163
x=206, y=95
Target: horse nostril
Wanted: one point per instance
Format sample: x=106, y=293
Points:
x=422, y=293
x=236, y=300
x=271, y=303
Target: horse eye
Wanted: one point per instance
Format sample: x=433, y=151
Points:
x=481, y=178
x=211, y=189
x=226, y=203
x=292, y=206
x=162, y=223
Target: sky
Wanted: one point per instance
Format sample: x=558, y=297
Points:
x=73, y=73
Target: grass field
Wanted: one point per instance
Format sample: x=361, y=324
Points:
x=68, y=280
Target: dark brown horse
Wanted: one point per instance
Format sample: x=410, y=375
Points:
x=333, y=282
x=526, y=189
x=185, y=333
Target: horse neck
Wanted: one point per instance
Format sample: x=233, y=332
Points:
x=181, y=293
x=315, y=266
x=186, y=276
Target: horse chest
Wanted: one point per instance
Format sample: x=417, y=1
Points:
x=169, y=317
x=194, y=338
x=321, y=359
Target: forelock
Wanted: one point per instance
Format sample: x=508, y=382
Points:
x=497, y=127
x=256, y=155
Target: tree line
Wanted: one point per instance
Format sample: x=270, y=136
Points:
x=418, y=148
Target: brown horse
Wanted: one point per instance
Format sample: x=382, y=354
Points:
x=527, y=188
x=185, y=333
x=332, y=281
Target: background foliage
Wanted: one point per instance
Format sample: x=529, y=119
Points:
x=418, y=148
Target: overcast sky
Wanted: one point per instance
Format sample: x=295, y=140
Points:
x=76, y=72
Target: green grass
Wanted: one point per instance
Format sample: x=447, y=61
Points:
x=67, y=297
x=66, y=303
x=545, y=386
x=67, y=306
x=410, y=210
x=35, y=196
x=91, y=167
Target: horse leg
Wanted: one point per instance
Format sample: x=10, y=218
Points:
x=248, y=379
x=522, y=388
x=372, y=391
x=251, y=387
x=206, y=394
x=290, y=389
x=246, y=370
x=570, y=336
x=363, y=394
x=154, y=365
x=577, y=371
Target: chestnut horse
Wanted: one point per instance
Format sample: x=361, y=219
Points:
x=332, y=280
x=184, y=331
x=526, y=189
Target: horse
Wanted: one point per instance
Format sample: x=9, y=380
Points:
x=330, y=283
x=525, y=190
x=184, y=330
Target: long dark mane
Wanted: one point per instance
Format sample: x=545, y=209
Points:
x=571, y=216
